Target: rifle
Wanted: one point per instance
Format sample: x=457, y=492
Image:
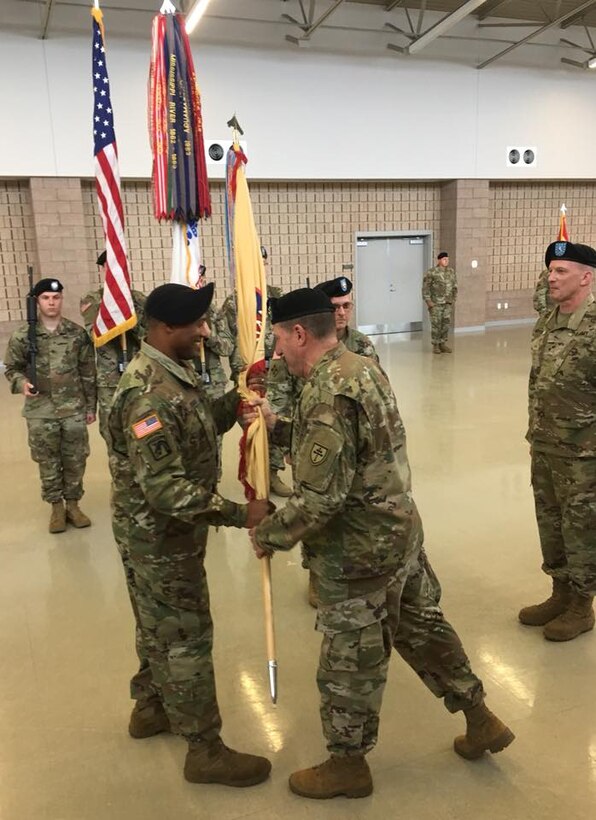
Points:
x=32, y=331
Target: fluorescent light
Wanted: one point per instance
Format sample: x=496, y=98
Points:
x=195, y=14
x=592, y=63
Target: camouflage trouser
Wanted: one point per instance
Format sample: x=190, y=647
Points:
x=440, y=322
x=176, y=637
x=359, y=635
x=565, y=500
x=60, y=447
x=104, y=401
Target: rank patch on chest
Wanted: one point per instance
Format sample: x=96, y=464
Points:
x=144, y=427
x=318, y=454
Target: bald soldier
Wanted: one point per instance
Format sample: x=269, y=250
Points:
x=63, y=405
x=562, y=436
x=439, y=291
x=352, y=508
x=163, y=432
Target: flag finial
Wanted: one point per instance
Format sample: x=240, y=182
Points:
x=563, y=209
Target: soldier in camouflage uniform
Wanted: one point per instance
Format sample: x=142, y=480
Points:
x=58, y=413
x=439, y=291
x=542, y=300
x=229, y=318
x=562, y=435
x=163, y=459
x=339, y=291
x=109, y=357
x=353, y=509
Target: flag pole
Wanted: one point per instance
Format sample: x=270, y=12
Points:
x=269, y=626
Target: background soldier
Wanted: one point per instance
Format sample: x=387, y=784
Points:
x=542, y=300
x=339, y=291
x=163, y=460
x=439, y=291
x=58, y=412
x=229, y=317
x=108, y=357
x=353, y=509
x=562, y=435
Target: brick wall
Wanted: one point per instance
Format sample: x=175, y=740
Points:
x=17, y=249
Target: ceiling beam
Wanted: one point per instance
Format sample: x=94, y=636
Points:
x=393, y=5
x=47, y=13
x=489, y=8
x=575, y=18
x=584, y=6
x=320, y=20
x=444, y=25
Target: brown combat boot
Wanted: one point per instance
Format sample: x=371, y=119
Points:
x=337, y=776
x=148, y=718
x=57, y=517
x=277, y=486
x=436, y=348
x=213, y=762
x=445, y=348
x=577, y=618
x=313, y=593
x=541, y=614
x=75, y=515
x=484, y=733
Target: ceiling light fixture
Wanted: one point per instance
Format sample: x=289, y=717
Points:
x=592, y=63
x=194, y=15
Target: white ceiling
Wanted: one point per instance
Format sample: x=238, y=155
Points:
x=373, y=28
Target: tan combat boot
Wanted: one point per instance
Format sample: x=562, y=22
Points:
x=337, y=776
x=148, y=718
x=444, y=348
x=277, y=486
x=577, y=618
x=212, y=762
x=541, y=614
x=484, y=733
x=76, y=517
x=313, y=592
x=57, y=517
x=436, y=349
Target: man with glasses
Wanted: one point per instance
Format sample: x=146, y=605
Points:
x=340, y=292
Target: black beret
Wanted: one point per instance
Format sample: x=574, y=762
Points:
x=264, y=253
x=572, y=252
x=47, y=286
x=443, y=255
x=102, y=258
x=335, y=287
x=178, y=305
x=299, y=303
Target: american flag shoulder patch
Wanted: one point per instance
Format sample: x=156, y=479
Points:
x=144, y=427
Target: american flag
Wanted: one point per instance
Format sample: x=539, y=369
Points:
x=116, y=312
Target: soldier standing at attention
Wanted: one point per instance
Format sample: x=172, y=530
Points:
x=439, y=291
x=562, y=436
x=542, y=300
x=229, y=316
x=353, y=510
x=163, y=460
x=340, y=292
x=109, y=360
x=58, y=412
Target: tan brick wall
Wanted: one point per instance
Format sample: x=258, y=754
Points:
x=17, y=248
x=308, y=227
x=525, y=219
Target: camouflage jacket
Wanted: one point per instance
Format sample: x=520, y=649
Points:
x=219, y=344
x=229, y=318
x=352, y=504
x=65, y=371
x=108, y=357
x=542, y=301
x=359, y=343
x=439, y=286
x=562, y=393
x=163, y=459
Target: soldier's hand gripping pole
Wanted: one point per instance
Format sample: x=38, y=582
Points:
x=32, y=331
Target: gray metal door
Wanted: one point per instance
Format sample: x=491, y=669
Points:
x=389, y=282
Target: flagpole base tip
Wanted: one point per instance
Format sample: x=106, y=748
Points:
x=272, y=669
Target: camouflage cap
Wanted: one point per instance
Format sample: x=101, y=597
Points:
x=298, y=303
x=335, y=287
x=571, y=252
x=178, y=305
x=47, y=286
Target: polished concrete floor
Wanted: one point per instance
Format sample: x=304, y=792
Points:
x=67, y=651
